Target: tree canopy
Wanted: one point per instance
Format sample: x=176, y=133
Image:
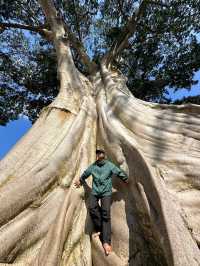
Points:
x=153, y=43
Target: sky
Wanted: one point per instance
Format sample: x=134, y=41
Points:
x=195, y=90
x=14, y=130
x=11, y=133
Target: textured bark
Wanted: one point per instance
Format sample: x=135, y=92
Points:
x=44, y=218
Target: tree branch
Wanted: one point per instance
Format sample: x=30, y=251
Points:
x=61, y=29
x=39, y=29
x=81, y=50
x=52, y=17
x=127, y=32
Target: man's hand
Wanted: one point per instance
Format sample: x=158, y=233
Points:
x=77, y=183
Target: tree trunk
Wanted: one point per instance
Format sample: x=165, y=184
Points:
x=155, y=221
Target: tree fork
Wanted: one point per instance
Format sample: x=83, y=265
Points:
x=44, y=219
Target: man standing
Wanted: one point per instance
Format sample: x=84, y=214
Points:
x=101, y=171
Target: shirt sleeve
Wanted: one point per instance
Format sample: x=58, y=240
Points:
x=119, y=172
x=85, y=174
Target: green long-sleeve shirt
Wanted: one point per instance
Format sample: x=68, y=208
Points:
x=102, y=172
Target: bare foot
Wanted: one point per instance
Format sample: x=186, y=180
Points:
x=107, y=248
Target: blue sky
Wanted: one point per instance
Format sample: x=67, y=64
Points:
x=195, y=90
x=14, y=130
x=11, y=133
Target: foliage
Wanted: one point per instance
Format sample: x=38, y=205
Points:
x=190, y=99
x=163, y=52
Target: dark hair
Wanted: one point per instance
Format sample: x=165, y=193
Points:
x=100, y=151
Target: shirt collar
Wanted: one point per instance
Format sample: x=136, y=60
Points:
x=100, y=162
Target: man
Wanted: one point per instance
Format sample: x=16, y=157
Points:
x=102, y=171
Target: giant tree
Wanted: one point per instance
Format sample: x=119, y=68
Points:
x=155, y=221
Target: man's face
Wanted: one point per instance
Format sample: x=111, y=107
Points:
x=100, y=156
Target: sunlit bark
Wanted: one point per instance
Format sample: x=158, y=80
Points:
x=44, y=219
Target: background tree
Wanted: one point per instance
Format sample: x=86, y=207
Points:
x=86, y=61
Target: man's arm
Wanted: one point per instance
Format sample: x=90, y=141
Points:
x=85, y=175
x=120, y=173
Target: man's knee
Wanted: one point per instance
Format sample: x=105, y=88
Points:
x=105, y=214
x=93, y=210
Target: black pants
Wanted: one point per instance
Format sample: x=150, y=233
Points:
x=101, y=216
